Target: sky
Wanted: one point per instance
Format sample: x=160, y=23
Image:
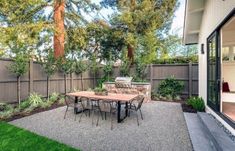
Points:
x=178, y=21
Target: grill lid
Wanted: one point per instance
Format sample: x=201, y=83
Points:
x=123, y=82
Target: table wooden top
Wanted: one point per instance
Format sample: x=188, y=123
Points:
x=109, y=97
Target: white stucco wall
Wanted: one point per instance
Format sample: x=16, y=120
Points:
x=214, y=13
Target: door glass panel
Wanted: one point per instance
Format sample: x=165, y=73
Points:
x=212, y=73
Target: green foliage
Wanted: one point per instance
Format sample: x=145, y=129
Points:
x=6, y=110
x=65, y=65
x=93, y=65
x=20, y=65
x=140, y=71
x=197, y=103
x=80, y=67
x=25, y=104
x=125, y=67
x=175, y=60
x=35, y=100
x=61, y=100
x=170, y=87
x=54, y=97
x=49, y=64
x=100, y=89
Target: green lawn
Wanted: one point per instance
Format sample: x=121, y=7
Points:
x=17, y=139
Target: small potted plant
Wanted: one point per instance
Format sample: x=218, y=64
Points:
x=100, y=91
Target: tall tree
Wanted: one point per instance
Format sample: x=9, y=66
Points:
x=59, y=35
x=142, y=19
x=61, y=14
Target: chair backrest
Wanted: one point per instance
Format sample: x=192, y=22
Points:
x=106, y=105
x=140, y=101
x=69, y=100
x=85, y=102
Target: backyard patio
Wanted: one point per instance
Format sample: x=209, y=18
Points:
x=163, y=128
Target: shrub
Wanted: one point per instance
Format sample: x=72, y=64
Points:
x=54, y=97
x=25, y=104
x=61, y=101
x=35, y=100
x=170, y=87
x=99, y=89
x=197, y=103
x=6, y=110
x=174, y=60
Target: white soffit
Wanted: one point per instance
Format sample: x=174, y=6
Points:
x=192, y=21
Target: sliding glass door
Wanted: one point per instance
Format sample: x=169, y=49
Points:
x=213, y=68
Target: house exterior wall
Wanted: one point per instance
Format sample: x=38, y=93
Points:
x=214, y=13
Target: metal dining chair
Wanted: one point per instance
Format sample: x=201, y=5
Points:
x=70, y=103
x=107, y=107
x=86, y=105
x=135, y=105
x=90, y=105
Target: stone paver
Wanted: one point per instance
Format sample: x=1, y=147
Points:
x=163, y=129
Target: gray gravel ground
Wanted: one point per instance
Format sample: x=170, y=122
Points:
x=163, y=129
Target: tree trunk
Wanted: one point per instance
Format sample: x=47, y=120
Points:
x=59, y=35
x=82, y=81
x=65, y=83
x=71, y=82
x=18, y=90
x=130, y=53
x=94, y=76
x=48, y=87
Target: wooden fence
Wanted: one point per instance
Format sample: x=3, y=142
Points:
x=35, y=79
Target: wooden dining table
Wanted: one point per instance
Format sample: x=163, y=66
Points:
x=119, y=98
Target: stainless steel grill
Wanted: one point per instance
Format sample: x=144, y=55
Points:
x=123, y=82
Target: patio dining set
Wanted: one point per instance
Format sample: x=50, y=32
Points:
x=87, y=103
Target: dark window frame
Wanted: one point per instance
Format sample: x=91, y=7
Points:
x=218, y=41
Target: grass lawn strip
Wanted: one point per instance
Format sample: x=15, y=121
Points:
x=14, y=138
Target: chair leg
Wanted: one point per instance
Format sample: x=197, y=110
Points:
x=105, y=117
x=111, y=115
x=92, y=117
x=89, y=113
x=141, y=115
x=137, y=118
x=101, y=114
x=81, y=116
x=65, y=112
x=97, y=120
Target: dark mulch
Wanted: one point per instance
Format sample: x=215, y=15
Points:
x=185, y=107
x=36, y=110
x=188, y=108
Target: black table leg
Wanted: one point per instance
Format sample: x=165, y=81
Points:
x=119, y=119
x=75, y=102
x=119, y=112
x=126, y=109
x=76, y=110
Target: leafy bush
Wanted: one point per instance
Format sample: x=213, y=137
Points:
x=193, y=59
x=54, y=97
x=61, y=100
x=99, y=89
x=6, y=110
x=25, y=104
x=197, y=103
x=170, y=87
x=35, y=100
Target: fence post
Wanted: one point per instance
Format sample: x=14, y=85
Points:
x=151, y=75
x=30, y=76
x=190, y=79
